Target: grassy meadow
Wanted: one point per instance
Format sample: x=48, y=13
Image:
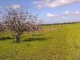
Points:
x=53, y=42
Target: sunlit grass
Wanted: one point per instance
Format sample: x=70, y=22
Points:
x=54, y=42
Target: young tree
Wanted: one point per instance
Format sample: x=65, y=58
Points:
x=18, y=21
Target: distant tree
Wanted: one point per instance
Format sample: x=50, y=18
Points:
x=18, y=21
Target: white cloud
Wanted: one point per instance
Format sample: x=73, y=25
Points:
x=53, y=3
x=15, y=6
x=50, y=15
x=39, y=6
x=66, y=12
x=77, y=12
x=71, y=13
x=62, y=17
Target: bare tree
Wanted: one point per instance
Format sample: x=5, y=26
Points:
x=18, y=21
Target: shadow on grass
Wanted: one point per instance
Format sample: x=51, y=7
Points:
x=35, y=39
x=5, y=38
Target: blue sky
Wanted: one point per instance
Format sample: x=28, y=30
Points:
x=50, y=11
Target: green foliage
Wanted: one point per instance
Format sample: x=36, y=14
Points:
x=53, y=42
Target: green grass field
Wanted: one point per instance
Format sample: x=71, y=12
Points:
x=53, y=42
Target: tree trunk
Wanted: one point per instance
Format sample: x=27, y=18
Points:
x=17, y=38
